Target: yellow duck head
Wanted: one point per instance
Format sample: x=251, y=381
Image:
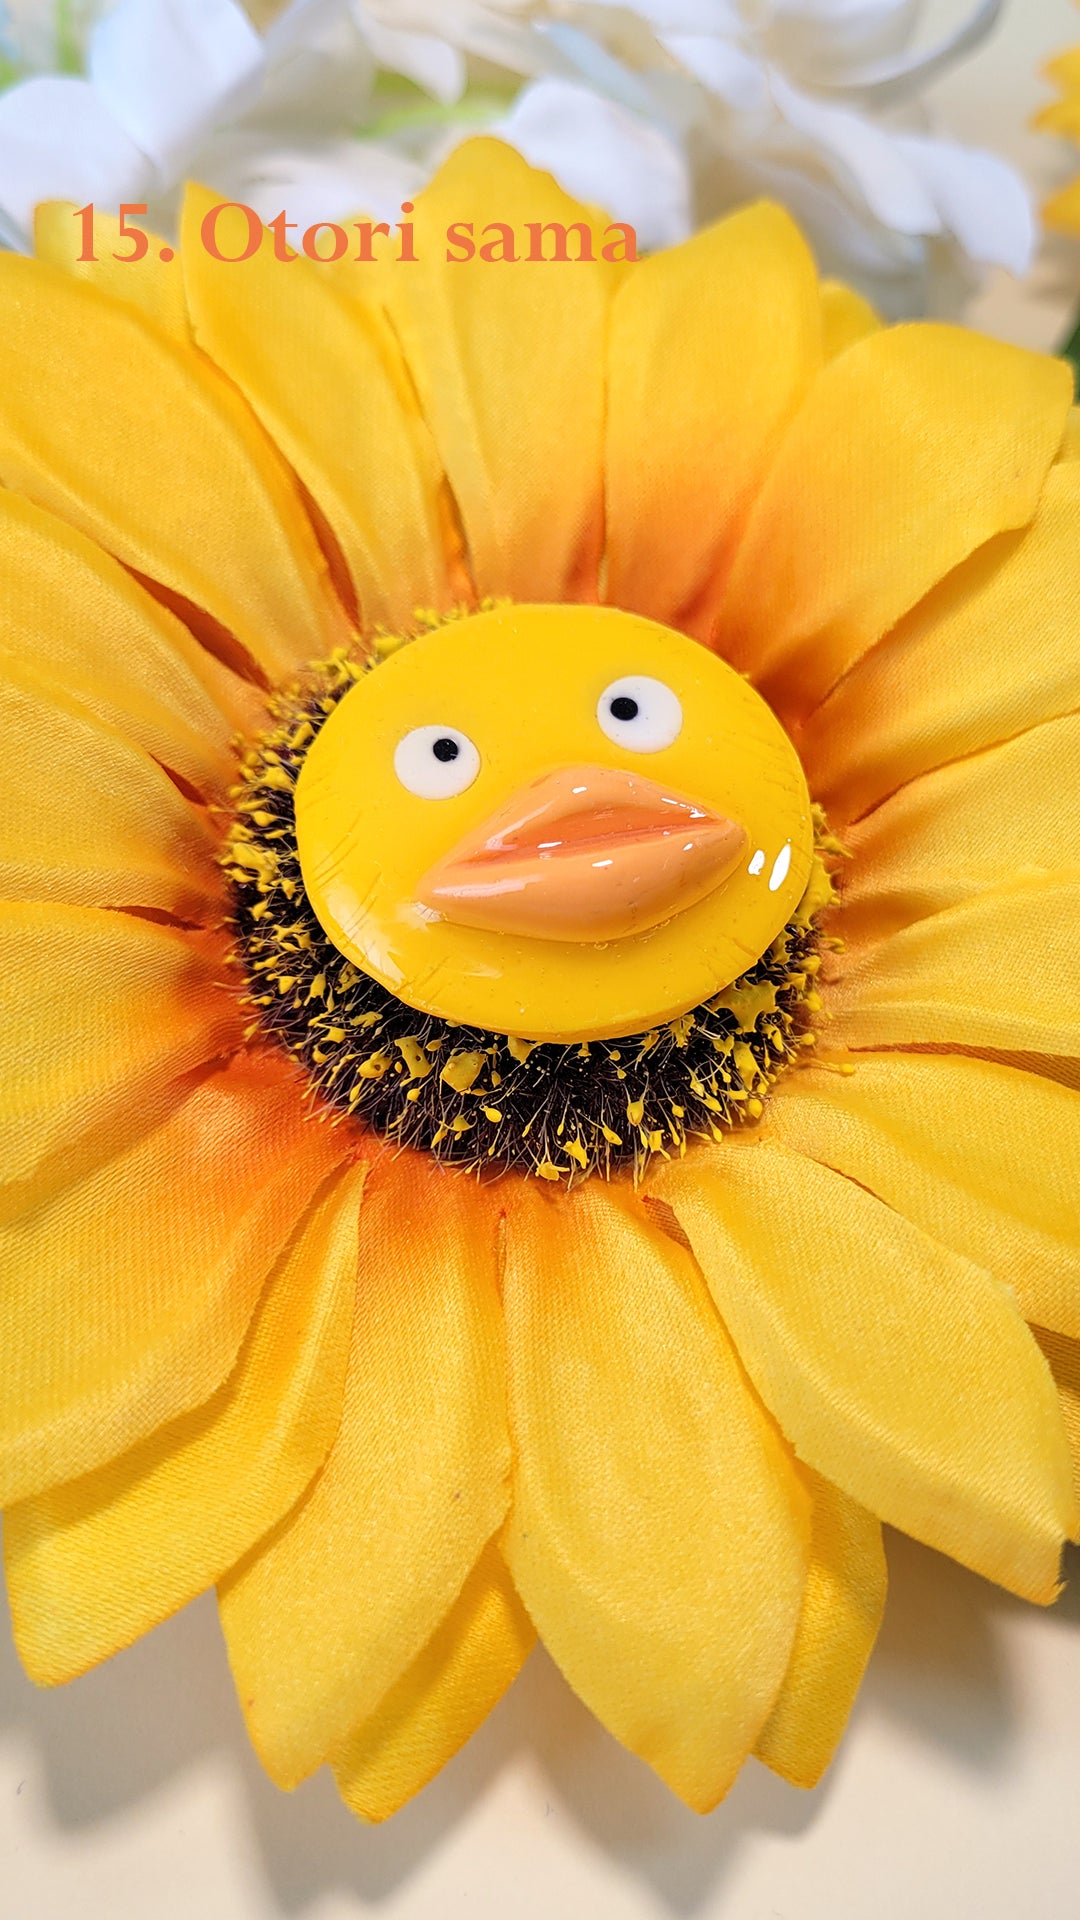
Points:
x=566, y=823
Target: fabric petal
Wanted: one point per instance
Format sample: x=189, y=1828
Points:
x=94, y=1564
x=923, y=441
x=326, y=1618
x=999, y=972
x=57, y=136
x=221, y=525
x=444, y=1696
x=989, y=653
x=88, y=818
x=686, y=455
x=169, y=71
x=125, y=1298
x=1063, y=1359
x=1012, y=812
x=658, y=1534
x=841, y=1614
x=512, y=386
x=982, y=1156
x=100, y=1013
x=343, y=416
x=898, y=1370
x=845, y=316
x=156, y=288
x=87, y=630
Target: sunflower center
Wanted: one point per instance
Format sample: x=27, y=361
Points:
x=463, y=1089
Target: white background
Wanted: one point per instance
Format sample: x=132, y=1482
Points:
x=132, y=1795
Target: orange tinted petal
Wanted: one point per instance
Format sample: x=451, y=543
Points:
x=94, y=398
x=88, y=818
x=126, y=1297
x=696, y=405
x=93, y=1564
x=911, y=449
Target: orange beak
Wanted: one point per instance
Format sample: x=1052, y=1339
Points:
x=584, y=853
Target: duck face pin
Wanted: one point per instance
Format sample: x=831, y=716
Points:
x=563, y=822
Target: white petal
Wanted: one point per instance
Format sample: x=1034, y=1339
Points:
x=604, y=155
x=872, y=159
x=167, y=70
x=329, y=180
x=980, y=199
x=736, y=77
x=59, y=142
x=434, y=64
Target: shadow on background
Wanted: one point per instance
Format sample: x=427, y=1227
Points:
x=114, y=1737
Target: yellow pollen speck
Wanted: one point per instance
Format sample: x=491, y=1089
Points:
x=461, y=1070
x=375, y=1066
x=520, y=1049
x=635, y=1111
x=492, y=1114
x=613, y=1139
x=577, y=1152
x=417, y=1064
x=547, y=1170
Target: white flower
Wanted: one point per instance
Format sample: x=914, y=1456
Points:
x=666, y=112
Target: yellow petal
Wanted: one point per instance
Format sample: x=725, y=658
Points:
x=842, y=1609
x=1001, y=971
x=923, y=441
x=1063, y=1359
x=658, y=1534
x=88, y=818
x=94, y=1564
x=325, y=1619
x=99, y=1014
x=989, y=653
x=342, y=413
x=152, y=284
x=82, y=624
x=127, y=1296
x=697, y=406
x=438, y=1704
x=898, y=1370
x=143, y=445
x=1012, y=812
x=1061, y=213
x=982, y=1156
x=508, y=363
x=845, y=316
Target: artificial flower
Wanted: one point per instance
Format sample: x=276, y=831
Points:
x=668, y=112
x=420, y=1340
x=1062, y=116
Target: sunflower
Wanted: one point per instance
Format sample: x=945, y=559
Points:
x=426, y=1247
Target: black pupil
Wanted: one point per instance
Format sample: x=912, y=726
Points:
x=623, y=708
x=445, y=749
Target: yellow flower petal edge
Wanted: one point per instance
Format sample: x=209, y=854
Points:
x=948, y=681
x=658, y=1534
x=898, y=1370
x=841, y=1613
x=668, y=547
x=329, y=1614
x=336, y=413
x=108, y=1334
x=95, y=1563
x=227, y=533
x=934, y=1136
x=434, y=1708
x=823, y=572
x=155, y=288
x=111, y=647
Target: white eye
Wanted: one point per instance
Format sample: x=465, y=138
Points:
x=640, y=713
x=435, y=763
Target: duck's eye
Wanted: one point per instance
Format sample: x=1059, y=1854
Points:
x=640, y=713
x=436, y=763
